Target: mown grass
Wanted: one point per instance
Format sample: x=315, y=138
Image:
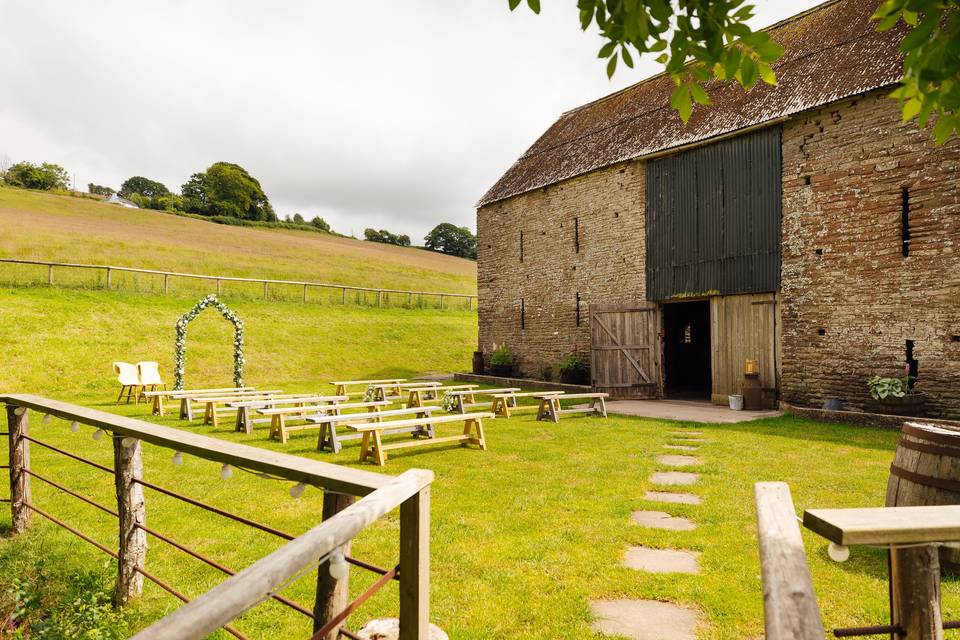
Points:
x=41, y=226
x=523, y=535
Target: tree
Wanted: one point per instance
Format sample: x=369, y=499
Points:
x=99, y=190
x=298, y=219
x=46, y=176
x=452, y=240
x=227, y=189
x=143, y=186
x=703, y=40
x=385, y=237
x=320, y=223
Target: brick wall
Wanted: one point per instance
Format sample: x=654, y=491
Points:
x=843, y=272
x=607, y=208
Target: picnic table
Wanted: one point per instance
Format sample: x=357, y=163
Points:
x=372, y=446
x=341, y=385
x=245, y=421
x=551, y=408
x=158, y=396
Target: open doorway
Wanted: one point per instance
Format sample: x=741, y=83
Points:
x=686, y=350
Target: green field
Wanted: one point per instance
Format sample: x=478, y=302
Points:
x=523, y=535
x=42, y=226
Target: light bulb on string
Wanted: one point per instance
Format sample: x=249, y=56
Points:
x=226, y=472
x=46, y=418
x=19, y=411
x=838, y=552
x=177, y=459
x=297, y=490
x=128, y=442
x=74, y=426
x=338, y=564
x=97, y=434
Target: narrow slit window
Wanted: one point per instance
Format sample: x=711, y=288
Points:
x=576, y=235
x=905, y=221
x=912, y=366
x=521, y=246
x=578, y=308
x=523, y=314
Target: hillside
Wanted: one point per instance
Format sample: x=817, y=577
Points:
x=41, y=226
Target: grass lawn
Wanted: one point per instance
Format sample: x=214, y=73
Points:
x=42, y=226
x=523, y=535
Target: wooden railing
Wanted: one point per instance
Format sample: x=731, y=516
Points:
x=382, y=295
x=790, y=610
x=343, y=519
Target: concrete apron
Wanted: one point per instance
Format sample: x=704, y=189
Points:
x=685, y=410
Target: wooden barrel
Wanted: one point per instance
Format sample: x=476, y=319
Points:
x=926, y=471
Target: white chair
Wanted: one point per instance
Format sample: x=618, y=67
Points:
x=129, y=380
x=149, y=378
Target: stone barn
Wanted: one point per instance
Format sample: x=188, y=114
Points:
x=803, y=226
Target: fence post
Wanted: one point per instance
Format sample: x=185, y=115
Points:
x=441, y=301
x=343, y=295
x=128, y=468
x=379, y=296
x=333, y=595
x=219, y=289
x=264, y=290
x=409, y=299
x=166, y=277
x=18, y=430
x=415, y=566
x=469, y=303
x=304, y=293
x=50, y=275
x=108, y=277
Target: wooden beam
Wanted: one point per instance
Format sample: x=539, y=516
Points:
x=886, y=525
x=415, y=567
x=131, y=507
x=915, y=592
x=18, y=430
x=333, y=595
x=789, y=603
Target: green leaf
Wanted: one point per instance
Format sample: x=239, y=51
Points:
x=663, y=58
x=534, y=6
x=659, y=45
x=944, y=127
x=699, y=94
x=911, y=108
x=586, y=17
x=627, y=58
x=919, y=35
x=684, y=105
x=607, y=50
x=748, y=73
x=766, y=73
x=732, y=62
x=514, y=4
x=612, y=66
x=769, y=51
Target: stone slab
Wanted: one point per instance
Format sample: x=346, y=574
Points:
x=674, y=497
x=673, y=460
x=389, y=629
x=685, y=432
x=681, y=447
x=644, y=619
x=684, y=410
x=674, y=477
x=662, y=560
x=662, y=520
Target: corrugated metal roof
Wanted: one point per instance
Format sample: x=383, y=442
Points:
x=832, y=52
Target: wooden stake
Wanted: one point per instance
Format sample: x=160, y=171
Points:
x=18, y=429
x=332, y=595
x=128, y=466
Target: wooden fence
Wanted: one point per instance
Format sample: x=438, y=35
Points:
x=382, y=296
x=343, y=518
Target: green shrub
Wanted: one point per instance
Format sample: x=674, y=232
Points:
x=882, y=388
x=501, y=356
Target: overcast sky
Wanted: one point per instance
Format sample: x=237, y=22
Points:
x=385, y=113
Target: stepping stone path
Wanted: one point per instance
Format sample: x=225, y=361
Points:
x=672, y=497
x=674, y=477
x=661, y=560
x=644, y=619
x=653, y=619
x=661, y=520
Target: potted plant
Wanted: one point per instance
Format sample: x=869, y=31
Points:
x=573, y=369
x=501, y=361
x=894, y=396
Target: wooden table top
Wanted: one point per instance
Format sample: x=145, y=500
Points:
x=886, y=525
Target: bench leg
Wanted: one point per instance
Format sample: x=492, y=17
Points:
x=322, y=437
x=541, y=410
x=157, y=410
x=274, y=427
x=378, y=449
x=214, y=419
x=603, y=407
x=555, y=410
x=364, y=446
x=282, y=426
x=334, y=439
x=247, y=421
x=468, y=431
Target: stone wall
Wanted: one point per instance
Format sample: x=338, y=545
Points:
x=605, y=209
x=850, y=299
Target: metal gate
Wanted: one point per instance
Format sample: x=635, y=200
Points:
x=624, y=350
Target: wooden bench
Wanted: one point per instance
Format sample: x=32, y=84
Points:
x=158, y=396
x=330, y=437
x=245, y=421
x=505, y=404
x=395, y=391
x=420, y=396
x=467, y=398
x=279, y=429
x=215, y=407
x=341, y=386
x=551, y=408
x=187, y=400
x=372, y=443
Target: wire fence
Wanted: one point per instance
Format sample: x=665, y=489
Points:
x=67, y=274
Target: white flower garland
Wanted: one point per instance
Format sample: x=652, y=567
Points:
x=181, y=344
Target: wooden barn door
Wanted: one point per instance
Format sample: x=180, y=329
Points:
x=744, y=326
x=624, y=350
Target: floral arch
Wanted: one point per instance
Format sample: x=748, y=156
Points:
x=181, y=345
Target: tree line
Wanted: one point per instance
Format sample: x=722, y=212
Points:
x=225, y=192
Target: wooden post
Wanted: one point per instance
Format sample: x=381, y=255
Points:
x=379, y=296
x=166, y=286
x=421, y=300
x=441, y=301
x=50, y=275
x=128, y=467
x=108, y=277
x=264, y=290
x=18, y=429
x=333, y=595
x=415, y=566
x=343, y=295
x=219, y=288
x=304, y=293
x=469, y=303
x=409, y=299
x=915, y=586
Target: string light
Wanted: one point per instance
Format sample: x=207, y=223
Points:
x=177, y=459
x=46, y=418
x=97, y=434
x=338, y=564
x=74, y=426
x=20, y=411
x=838, y=552
x=297, y=490
x=128, y=442
x=226, y=472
